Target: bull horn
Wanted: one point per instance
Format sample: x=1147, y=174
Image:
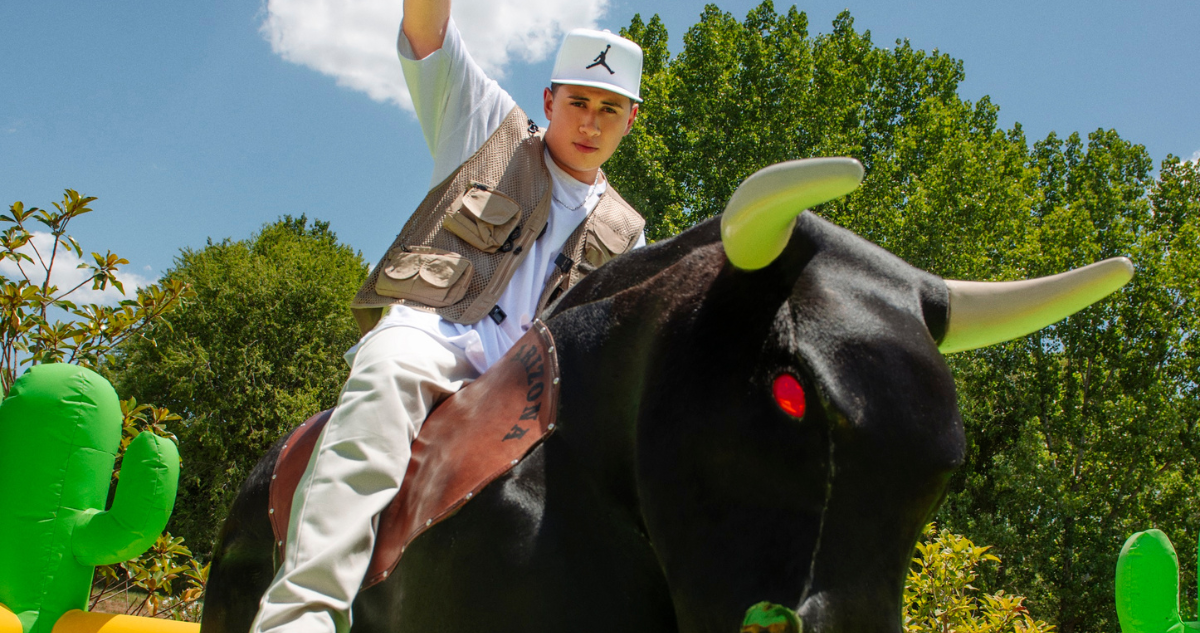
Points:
x=985, y=313
x=761, y=214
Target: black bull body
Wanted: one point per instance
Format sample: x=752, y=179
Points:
x=676, y=492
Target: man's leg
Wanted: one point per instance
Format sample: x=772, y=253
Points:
x=398, y=375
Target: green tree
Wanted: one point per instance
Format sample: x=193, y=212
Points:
x=742, y=96
x=1086, y=431
x=258, y=352
x=1078, y=435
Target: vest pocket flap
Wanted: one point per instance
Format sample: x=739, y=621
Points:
x=425, y=274
x=442, y=271
x=602, y=243
x=403, y=266
x=483, y=218
x=615, y=243
x=490, y=206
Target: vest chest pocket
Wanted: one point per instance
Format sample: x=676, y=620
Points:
x=432, y=276
x=602, y=243
x=483, y=218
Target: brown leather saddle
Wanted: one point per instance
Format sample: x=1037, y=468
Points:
x=470, y=439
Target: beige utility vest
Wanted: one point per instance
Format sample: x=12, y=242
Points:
x=458, y=251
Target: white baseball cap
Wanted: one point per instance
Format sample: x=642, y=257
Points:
x=599, y=59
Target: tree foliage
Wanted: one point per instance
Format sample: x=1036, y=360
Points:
x=1079, y=434
x=31, y=333
x=939, y=596
x=258, y=352
x=1085, y=432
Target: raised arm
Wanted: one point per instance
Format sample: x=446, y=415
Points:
x=425, y=25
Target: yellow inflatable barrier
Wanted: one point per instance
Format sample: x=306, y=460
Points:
x=76, y=621
x=8, y=621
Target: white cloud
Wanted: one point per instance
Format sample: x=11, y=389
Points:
x=355, y=41
x=1195, y=157
x=67, y=274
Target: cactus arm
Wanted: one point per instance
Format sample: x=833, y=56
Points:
x=1147, y=585
x=144, y=499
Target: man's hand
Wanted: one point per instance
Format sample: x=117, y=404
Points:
x=425, y=25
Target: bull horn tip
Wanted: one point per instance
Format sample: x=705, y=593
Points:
x=1127, y=264
x=987, y=313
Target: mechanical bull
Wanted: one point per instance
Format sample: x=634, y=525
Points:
x=755, y=410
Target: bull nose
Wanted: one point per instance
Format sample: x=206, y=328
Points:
x=827, y=613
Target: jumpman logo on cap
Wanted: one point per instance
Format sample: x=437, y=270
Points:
x=601, y=60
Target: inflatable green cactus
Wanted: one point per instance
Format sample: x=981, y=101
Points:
x=1147, y=586
x=60, y=430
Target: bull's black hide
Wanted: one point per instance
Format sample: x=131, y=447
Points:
x=675, y=493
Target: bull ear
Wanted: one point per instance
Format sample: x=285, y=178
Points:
x=759, y=218
x=986, y=313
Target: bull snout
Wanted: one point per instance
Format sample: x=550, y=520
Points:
x=827, y=613
x=879, y=503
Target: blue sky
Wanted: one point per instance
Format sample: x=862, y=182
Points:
x=194, y=120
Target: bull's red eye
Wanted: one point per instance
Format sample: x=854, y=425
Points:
x=789, y=395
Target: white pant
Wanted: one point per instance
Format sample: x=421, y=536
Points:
x=397, y=376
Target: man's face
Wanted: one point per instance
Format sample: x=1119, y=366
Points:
x=586, y=125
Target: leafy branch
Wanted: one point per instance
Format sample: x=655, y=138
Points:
x=165, y=582
x=27, y=333
x=939, y=596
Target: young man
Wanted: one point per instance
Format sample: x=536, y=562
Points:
x=513, y=219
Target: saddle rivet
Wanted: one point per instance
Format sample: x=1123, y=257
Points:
x=551, y=350
x=273, y=477
x=556, y=381
x=514, y=462
x=284, y=447
x=280, y=543
x=385, y=574
x=470, y=494
x=550, y=427
x=428, y=522
x=270, y=510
